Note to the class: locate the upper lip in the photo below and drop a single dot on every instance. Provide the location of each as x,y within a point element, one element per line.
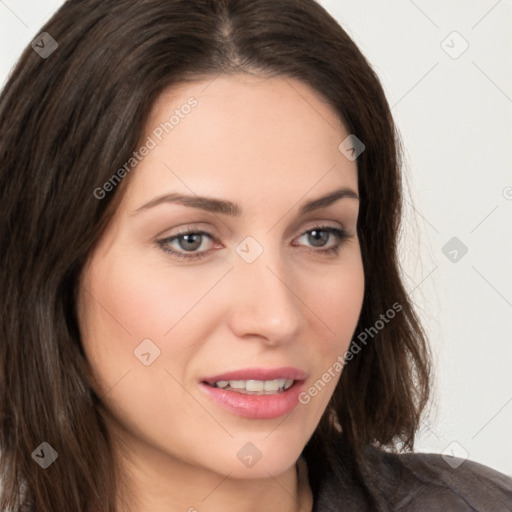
<point>259,374</point>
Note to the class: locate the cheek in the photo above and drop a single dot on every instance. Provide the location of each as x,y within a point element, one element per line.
<point>127,299</point>
<point>337,301</point>
<point>338,306</point>
<point>123,304</point>
<point>147,299</point>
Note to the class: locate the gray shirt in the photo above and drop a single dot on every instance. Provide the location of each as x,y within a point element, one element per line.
<point>386,481</point>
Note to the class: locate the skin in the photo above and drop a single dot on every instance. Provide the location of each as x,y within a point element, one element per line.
<point>269,145</point>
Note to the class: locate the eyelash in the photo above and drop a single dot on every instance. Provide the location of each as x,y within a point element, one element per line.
<point>340,234</point>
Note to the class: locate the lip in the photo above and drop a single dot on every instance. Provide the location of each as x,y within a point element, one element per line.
<point>286,372</point>
<point>256,406</point>
<point>262,407</point>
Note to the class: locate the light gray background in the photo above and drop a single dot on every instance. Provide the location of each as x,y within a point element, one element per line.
<point>455,118</point>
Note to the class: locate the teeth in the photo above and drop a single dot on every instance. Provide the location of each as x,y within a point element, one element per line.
<point>255,385</point>
<point>288,383</point>
<point>275,385</point>
<point>272,385</point>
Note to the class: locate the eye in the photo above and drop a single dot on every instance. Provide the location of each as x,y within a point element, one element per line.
<point>186,244</point>
<point>318,236</point>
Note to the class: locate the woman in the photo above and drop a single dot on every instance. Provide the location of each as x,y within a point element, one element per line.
<point>202,307</point>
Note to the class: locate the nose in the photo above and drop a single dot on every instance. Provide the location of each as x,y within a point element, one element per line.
<point>266,301</point>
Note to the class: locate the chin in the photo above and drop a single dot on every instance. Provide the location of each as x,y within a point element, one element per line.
<point>257,456</point>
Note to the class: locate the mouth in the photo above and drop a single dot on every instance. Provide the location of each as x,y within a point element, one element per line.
<point>256,393</point>
<point>254,387</point>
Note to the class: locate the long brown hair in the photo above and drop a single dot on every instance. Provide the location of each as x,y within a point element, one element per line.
<point>69,120</point>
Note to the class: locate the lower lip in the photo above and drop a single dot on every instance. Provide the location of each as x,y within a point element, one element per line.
<point>262,407</point>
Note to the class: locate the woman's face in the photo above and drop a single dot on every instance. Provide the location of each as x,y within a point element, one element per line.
<point>259,293</point>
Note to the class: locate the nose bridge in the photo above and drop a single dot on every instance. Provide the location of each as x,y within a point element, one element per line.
<point>266,303</point>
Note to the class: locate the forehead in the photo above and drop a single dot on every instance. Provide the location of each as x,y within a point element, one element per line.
<point>242,135</point>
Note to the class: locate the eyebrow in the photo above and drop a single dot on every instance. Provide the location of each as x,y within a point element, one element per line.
<point>213,205</point>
